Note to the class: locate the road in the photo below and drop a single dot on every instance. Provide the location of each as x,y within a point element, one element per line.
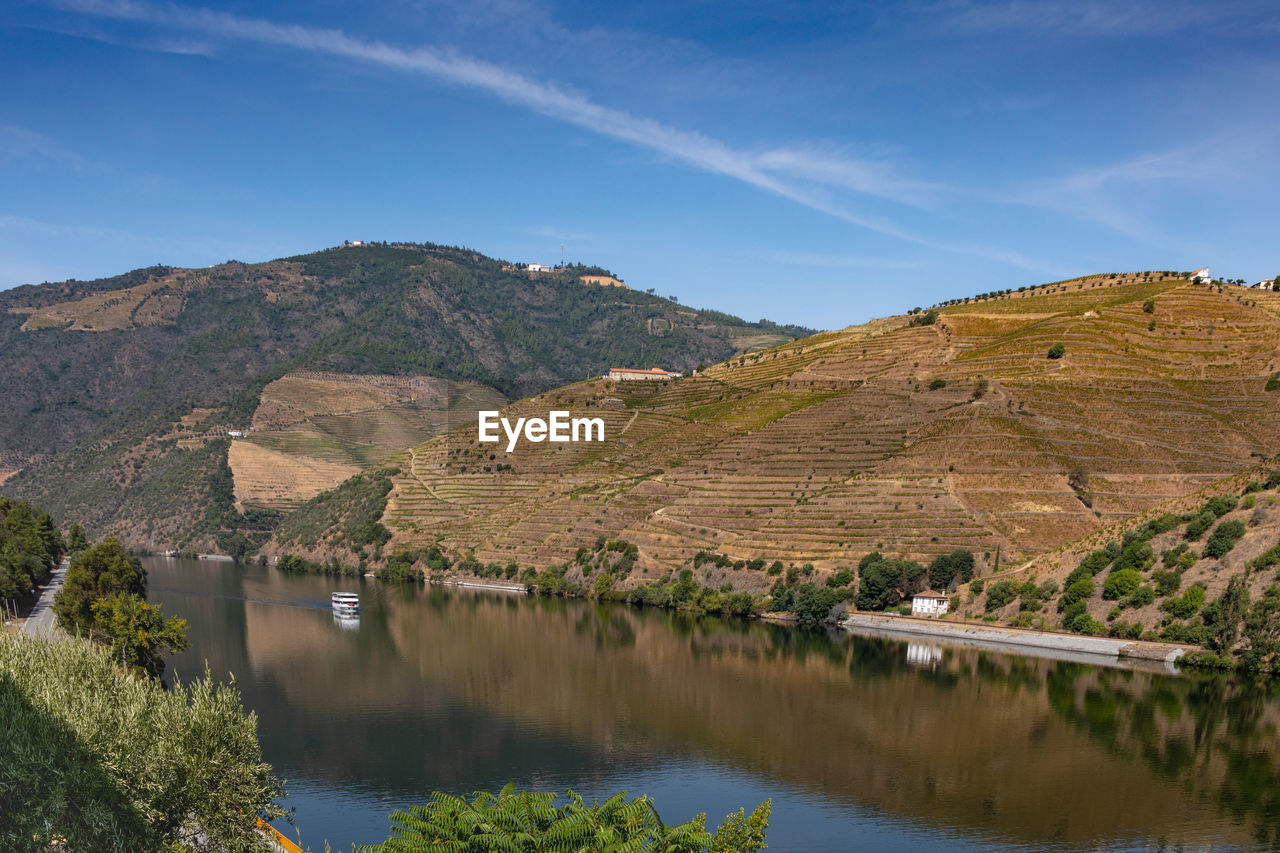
<point>40,621</point>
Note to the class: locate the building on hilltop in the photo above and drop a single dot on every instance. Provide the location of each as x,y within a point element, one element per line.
<point>538,268</point>
<point>628,373</point>
<point>929,603</point>
<point>1201,276</point>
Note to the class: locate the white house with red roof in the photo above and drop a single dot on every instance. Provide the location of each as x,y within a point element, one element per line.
<point>1201,276</point>
<point>629,373</point>
<point>929,603</point>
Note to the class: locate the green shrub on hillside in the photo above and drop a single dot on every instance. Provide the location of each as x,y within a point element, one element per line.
<point>1057,351</point>
<point>1083,623</point>
<point>1081,589</point>
<point>1121,583</point>
<point>1141,597</point>
<point>1198,525</point>
<point>1222,505</point>
<point>1223,539</point>
<point>1001,593</point>
<point>1167,582</point>
<point>1138,557</point>
<point>1186,605</point>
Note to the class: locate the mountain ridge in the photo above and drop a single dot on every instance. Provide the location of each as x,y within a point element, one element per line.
<point>101,375</point>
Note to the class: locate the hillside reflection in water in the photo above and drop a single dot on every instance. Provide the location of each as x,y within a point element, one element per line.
<point>864,744</point>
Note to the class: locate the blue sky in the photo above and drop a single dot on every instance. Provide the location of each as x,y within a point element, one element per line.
<point>811,163</point>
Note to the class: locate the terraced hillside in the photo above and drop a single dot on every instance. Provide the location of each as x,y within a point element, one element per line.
<point>101,375</point>
<point>903,435</point>
<point>313,430</point>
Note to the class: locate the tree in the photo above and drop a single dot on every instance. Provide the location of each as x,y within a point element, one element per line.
<point>96,573</point>
<point>530,822</point>
<point>812,604</point>
<point>76,541</point>
<point>1057,351</point>
<point>140,631</point>
<point>1262,628</point>
<point>113,762</point>
<point>1224,615</point>
<point>946,567</point>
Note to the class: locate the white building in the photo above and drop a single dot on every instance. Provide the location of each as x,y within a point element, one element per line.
<point>929,603</point>
<point>628,373</point>
<point>538,268</point>
<point>235,433</point>
<point>1201,276</point>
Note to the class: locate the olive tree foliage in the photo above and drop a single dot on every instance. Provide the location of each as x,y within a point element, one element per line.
<point>514,821</point>
<point>103,598</point>
<point>139,632</point>
<point>108,761</point>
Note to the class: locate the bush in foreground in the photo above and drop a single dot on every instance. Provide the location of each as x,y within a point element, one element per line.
<point>524,822</point>
<point>114,762</point>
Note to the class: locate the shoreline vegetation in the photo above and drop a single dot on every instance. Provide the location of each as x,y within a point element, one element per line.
<point>1141,572</point>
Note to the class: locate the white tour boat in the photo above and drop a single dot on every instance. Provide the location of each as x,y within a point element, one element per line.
<point>345,602</point>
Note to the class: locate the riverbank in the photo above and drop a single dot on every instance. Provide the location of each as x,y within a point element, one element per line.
<point>1041,643</point>
<point>498,586</point>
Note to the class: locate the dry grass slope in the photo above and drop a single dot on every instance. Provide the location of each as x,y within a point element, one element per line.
<point>313,430</point>
<point>911,439</point>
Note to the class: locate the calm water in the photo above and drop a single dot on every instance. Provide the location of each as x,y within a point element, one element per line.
<point>863,744</point>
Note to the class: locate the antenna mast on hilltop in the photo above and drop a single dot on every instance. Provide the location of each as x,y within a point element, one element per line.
<point>562,254</point>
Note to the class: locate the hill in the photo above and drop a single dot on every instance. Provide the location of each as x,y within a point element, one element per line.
<point>1201,570</point>
<point>912,435</point>
<point>121,392</point>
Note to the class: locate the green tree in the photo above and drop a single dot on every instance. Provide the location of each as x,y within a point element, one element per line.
<point>1057,351</point>
<point>96,573</point>
<point>139,631</point>
<point>76,541</point>
<point>946,567</point>
<point>1120,583</point>
<point>530,822</point>
<point>812,604</point>
<point>1224,615</point>
<point>1262,628</point>
<point>113,763</point>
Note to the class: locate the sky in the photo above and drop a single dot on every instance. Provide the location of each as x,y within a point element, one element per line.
<point>812,163</point>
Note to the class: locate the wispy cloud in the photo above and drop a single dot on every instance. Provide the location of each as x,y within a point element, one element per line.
<point>1104,194</point>
<point>806,176</point>
<point>20,143</point>
<point>824,260</point>
<point>1094,18</point>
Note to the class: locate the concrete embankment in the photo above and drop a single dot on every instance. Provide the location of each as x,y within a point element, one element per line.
<point>478,584</point>
<point>1039,643</point>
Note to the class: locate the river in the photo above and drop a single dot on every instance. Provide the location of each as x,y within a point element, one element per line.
<point>862,743</point>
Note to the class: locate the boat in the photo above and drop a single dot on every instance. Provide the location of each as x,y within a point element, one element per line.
<point>345,602</point>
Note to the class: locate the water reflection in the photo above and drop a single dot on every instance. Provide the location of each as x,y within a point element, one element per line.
<point>871,742</point>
